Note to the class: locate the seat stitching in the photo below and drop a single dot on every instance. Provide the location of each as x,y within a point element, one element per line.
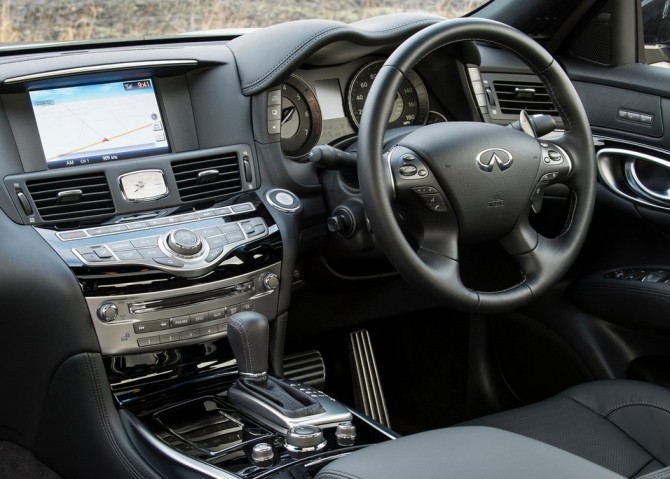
<point>634,403</point>
<point>645,465</point>
<point>613,424</point>
<point>663,473</point>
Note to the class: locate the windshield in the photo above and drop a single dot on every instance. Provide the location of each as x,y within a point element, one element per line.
<point>69,20</point>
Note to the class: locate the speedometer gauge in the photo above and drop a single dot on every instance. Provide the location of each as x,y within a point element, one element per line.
<point>300,118</point>
<point>411,102</point>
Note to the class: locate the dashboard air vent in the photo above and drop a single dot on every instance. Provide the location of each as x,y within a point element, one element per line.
<point>69,198</point>
<point>202,179</point>
<point>516,96</point>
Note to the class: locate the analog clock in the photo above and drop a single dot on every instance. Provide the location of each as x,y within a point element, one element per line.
<point>145,185</point>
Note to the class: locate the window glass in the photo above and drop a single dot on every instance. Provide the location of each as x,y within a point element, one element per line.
<point>656,28</point>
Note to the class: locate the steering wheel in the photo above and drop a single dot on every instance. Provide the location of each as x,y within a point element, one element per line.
<point>473,183</point>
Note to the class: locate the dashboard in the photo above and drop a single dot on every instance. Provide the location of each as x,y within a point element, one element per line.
<point>175,176</point>
<point>152,189</point>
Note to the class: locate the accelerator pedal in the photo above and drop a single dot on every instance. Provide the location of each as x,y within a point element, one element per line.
<point>306,367</point>
<point>367,386</point>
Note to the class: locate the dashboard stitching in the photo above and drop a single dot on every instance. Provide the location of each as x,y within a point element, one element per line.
<point>307,43</point>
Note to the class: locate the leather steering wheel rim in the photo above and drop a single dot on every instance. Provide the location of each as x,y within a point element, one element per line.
<point>543,261</point>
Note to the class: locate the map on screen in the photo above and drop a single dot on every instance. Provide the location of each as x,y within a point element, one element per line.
<point>98,123</point>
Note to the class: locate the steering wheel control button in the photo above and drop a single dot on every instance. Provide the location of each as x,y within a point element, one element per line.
<point>262,455</point>
<point>549,176</point>
<point>108,312</point>
<point>434,202</point>
<point>424,190</point>
<point>408,157</point>
<point>407,170</point>
<point>422,173</point>
<point>283,200</point>
<point>345,434</point>
<point>184,242</point>
<point>304,441</point>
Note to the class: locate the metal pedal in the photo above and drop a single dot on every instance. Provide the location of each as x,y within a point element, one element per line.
<point>307,367</point>
<point>367,386</point>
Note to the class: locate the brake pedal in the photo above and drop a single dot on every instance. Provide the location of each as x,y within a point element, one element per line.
<point>367,385</point>
<point>306,367</point>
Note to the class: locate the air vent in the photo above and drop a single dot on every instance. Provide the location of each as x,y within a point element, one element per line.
<point>530,96</point>
<point>72,198</point>
<point>207,178</point>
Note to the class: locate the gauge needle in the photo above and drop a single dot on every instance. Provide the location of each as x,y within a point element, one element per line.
<point>287,114</point>
<point>139,187</point>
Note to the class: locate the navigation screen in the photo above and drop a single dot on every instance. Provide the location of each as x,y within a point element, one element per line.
<point>99,123</point>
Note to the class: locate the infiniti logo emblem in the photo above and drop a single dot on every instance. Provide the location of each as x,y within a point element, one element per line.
<point>487,159</point>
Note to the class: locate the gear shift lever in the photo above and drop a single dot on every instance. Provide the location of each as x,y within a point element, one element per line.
<point>248,334</point>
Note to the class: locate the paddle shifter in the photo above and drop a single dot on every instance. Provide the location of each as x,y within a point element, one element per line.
<point>283,404</point>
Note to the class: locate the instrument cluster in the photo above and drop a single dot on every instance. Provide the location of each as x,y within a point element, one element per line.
<point>321,106</point>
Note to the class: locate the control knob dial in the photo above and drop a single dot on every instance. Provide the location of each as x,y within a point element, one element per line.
<point>184,242</point>
<point>108,312</point>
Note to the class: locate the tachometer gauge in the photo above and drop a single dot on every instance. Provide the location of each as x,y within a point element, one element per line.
<point>300,118</point>
<point>411,103</point>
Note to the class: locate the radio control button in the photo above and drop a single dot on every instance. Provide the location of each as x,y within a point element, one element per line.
<point>223,327</point>
<point>195,333</point>
<point>199,317</point>
<point>187,217</point>
<point>152,341</point>
<point>217,314</point>
<point>180,321</point>
<point>234,309</point>
<point>108,312</point>
<point>247,227</point>
<point>209,330</point>
<point>248,306</point>
<point>175,263</point>
<point>169,338</point>
<point>151,326</point>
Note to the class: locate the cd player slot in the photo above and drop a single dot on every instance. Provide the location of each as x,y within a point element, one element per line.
<point>190,299</point>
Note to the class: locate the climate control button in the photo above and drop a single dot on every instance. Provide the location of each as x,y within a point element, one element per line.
<point>184,242</point>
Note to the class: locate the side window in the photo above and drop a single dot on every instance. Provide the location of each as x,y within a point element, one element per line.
<point>656,27</point>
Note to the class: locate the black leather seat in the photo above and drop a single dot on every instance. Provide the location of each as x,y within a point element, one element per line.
<point>621,425</point>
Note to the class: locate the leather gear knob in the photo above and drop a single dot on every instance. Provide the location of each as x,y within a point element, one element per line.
<point>248,334</point>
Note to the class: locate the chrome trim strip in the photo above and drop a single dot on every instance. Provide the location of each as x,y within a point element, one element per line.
<point>98,69</point>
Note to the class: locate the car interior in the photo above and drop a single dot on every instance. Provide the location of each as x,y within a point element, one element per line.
<point>403,247</point>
